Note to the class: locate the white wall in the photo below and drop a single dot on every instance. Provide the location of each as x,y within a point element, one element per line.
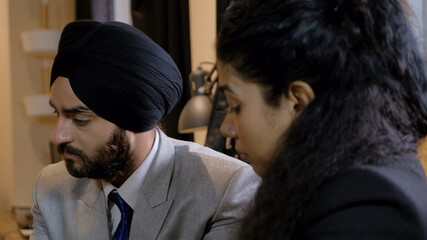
<point>202,31</point>
<point>24,141</point>
<point>122,11</point>
<point>418,15</point>
<point>6,159</point>
<point>202,36</point>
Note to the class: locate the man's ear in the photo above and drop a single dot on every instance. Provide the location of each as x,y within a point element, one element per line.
<point>300,94</point>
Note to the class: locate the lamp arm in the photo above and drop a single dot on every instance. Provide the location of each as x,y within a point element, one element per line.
<point>210,73</point>
<point>209,81</point>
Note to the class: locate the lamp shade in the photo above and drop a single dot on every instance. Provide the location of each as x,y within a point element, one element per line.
<point>195,115</point>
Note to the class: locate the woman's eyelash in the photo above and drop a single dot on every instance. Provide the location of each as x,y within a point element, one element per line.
<point>234,109</point>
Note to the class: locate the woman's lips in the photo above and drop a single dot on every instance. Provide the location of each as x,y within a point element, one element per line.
<point>243,156</point>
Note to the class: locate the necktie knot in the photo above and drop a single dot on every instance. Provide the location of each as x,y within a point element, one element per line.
<point>114,196</point>
<point>123,229</point>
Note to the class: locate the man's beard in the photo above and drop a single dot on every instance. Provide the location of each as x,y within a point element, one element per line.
<point>109,160</point>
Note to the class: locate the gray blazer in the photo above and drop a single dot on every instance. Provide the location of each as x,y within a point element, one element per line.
<point>190,192</point>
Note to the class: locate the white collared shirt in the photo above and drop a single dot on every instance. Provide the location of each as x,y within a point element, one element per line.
<point>131,188</point>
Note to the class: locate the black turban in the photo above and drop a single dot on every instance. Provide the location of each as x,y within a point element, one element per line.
<point>118,72</point>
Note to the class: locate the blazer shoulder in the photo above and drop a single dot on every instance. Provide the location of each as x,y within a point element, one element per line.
<point>53,174</point>
<point>55,178</point>
<point>395,195</point>
<point>210,167</point>
<point>200,152</point>
<point>379,181</point>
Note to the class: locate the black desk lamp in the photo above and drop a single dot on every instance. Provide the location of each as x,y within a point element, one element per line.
<point>196,113</point>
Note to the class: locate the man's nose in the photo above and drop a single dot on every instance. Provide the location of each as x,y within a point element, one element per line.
<point>61,134</point>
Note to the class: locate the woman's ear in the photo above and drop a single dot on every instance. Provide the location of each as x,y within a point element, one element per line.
<point>300,94</point>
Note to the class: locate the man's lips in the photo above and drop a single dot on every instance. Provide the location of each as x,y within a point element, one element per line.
<point>68,155</point>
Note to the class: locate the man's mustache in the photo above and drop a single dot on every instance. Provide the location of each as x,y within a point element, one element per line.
<point>62,148</point>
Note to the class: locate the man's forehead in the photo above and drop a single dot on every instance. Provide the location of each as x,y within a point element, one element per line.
<point>62,97</point>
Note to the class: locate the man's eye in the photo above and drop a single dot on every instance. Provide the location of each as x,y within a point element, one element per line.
<point>80,121</point>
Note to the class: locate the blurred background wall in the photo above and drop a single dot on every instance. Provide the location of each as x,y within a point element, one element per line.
<point>24,140</point>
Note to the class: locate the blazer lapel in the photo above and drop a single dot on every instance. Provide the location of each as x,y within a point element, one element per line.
<point>91,212</point>
<point>157,194</point>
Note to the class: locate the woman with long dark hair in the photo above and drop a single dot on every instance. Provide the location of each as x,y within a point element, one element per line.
<point>337,92</point>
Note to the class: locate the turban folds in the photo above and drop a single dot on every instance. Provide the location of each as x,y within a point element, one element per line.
<point>118,72</point>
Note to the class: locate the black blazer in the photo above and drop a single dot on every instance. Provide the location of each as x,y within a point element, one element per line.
<point>370,202</point>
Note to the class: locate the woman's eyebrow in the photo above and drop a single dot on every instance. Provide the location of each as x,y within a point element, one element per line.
<point>225,87</point>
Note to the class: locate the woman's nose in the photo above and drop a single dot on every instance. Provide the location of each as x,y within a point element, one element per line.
<point>227,129</point>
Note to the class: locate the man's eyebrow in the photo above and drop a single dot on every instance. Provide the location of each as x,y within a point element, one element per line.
<point>225,87</point>
<point>78,109</point>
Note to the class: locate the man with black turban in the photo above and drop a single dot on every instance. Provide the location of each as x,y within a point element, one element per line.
<point>122,177</point>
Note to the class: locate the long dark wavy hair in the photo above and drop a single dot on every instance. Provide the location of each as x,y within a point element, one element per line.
<point>369,80</point>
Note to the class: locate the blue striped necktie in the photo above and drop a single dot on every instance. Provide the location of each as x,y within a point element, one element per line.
<point>123,230</point>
